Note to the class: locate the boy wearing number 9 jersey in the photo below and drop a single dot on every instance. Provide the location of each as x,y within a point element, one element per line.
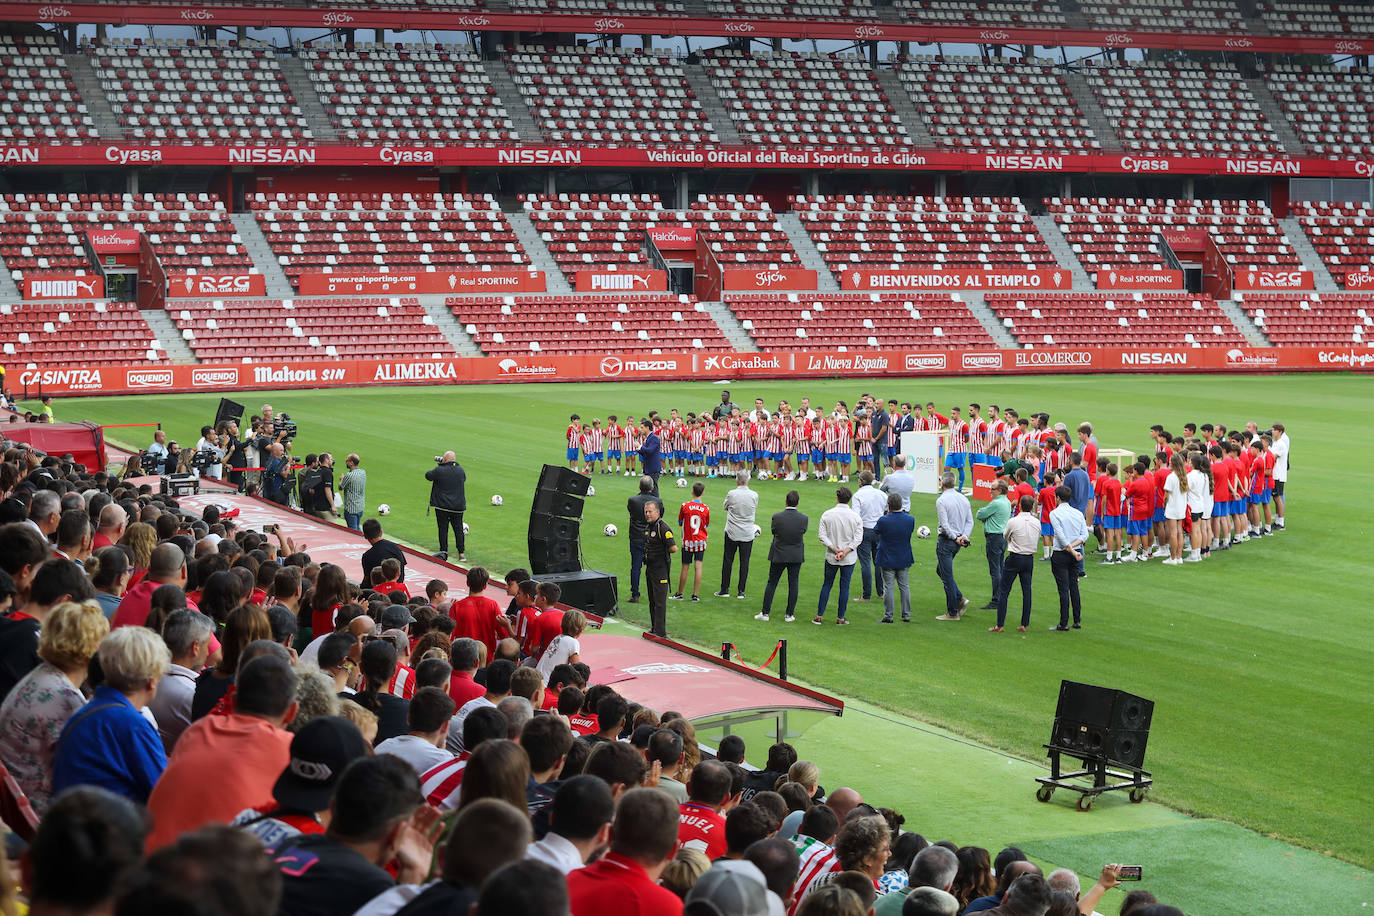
<point>694,516</point>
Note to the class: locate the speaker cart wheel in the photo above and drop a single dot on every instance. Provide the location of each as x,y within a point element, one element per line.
<point>1044,793</point>
<point>1085,802</point>
<point>1138,795</point>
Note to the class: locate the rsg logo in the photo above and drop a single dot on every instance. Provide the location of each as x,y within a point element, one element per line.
<point>149,378</point>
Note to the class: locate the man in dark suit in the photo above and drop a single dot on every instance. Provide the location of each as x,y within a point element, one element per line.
<point>787,552</point>
<point>893,557</point>
<point>905,422</point>
<point>650,453</point>
<point>635,506</point>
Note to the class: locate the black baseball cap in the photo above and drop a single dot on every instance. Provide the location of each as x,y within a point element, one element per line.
<point>320,752</point>
<point>396,617</point>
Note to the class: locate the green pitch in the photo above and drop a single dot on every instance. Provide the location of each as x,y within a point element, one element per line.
<point>1258,659</point>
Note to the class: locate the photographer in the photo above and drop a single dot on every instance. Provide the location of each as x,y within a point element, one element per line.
<point>158,451</point>
<point>448,499</point>
<point>277,481</point>
<point>209,457</point>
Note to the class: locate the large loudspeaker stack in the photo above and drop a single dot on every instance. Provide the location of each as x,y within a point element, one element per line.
<point>1102,722</point>
<point>555,547</point>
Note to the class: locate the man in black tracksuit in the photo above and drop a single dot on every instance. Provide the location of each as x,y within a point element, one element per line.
<point>659,545</point>
<point>448,499</point>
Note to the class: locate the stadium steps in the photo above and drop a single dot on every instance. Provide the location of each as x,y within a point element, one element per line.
<point>1093,115</point>
<point>9,290</point>
<point>168,335</point>
<point>1310,259</point>
<point>808,253</point>
<point>979,308</point>
<point>97,105</point>
<point>447,324</point>
<point>697,9</point>
<point>1236,312</point>
<point>720,119</point>
<point>730,326</point>
<point>264,258</point>
<point>526,128</point>
<point>905,106</point>
<point>293,71</point>
<point>1276,118</point>
<point>1062,250</point>
<point>540,257</point>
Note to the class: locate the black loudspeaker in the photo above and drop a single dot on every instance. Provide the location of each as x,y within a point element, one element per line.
<point>228,410</point>
<point>556,521</point>
<point>552,502</point>
<point>564,480</point>
<point>1102,722</point>
<point>587,590</point>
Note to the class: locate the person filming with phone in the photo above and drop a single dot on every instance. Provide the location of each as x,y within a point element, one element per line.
<point>448,499</point>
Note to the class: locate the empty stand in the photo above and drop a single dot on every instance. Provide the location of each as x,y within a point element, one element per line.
<point>510,326</point>
<point>1111,233</point>
<point>42,334</point>
<point>1331,109</point>
<point>742,231</point>
<point>172,90</point>
<point>1000,105</point>
<point>788,9</point>
<point>803,99</point>
<point>1343,234</point>
<point>1186,108</point>
<point>1027,13</point>
<point>596,231</point>
<point>634,7</point>
<point>260,330</point>
<point>421,95</point>
<point>895,233</point>
<point>1165,15</point>
<point>334,232</point>
<point>1313,319</point>
<point>1317,18</point>
<point>594,96</point>
<point>1114,319</point>
<point>42,233</point>
<point>858,320</point>
<point>38,100</point>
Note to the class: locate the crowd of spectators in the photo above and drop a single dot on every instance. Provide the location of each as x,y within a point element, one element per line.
<point>199,718</point>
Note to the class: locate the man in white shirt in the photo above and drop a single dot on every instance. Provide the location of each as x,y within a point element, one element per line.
<point>741,504</point>
<point>841,530</point>
<point>871,503</point>
<point>1280,449</point>
<point>208,440</point>
<point>900,481</point>
<point>158,449</point>
<point>428,720</point>
<point>498,688</point>
<point>187,635</point>
<point>580,828</point>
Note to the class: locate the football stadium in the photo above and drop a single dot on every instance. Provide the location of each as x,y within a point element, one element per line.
<point>720,457</point>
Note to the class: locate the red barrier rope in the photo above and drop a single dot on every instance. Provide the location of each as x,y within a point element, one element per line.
<point>776,649</point>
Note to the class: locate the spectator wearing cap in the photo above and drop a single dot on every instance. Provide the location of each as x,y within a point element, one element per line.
<point>377,816</point>
<point>108,743</point>
<point>237,757</point>
<point>700,823</point>
<point>187,634</point>
<point>320,752</point>
<point>729,889</point>
<point>580,826</point>
<point>625,880</point>
<point>403,680</point>
<point>428,718</point>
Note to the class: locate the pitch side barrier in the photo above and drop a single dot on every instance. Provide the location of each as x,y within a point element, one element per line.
<point>701,364</point>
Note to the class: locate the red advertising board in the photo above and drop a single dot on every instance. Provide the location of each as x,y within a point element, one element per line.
<point>66,286</point>
<point>1272,278</point>
<point>114,241</point>
<point>1185,239</point>
<point>1359,280</point>
<point>674,238</point>
<point>622,281</point>
<point>922,280</point>
<point>182,286</point>
<point>1139,279</point>
<point>983,476</point>
<point>625,366</point>
<point>449,281</point>
<point>764,280</point>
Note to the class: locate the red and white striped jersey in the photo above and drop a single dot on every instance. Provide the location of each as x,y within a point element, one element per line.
<point>817,428</point>
<point>403,682</point>
<point>615,434</point>
<point>817,859</point>
<point>844,436</point>
<point>574,435</point>
<point>739,439</point>
<point>977,431</point>
<point>440,784</point>
<point>861,438</point>
<point>632,438</point>
<point>958,437</point>
<point>593,439</point>
<point>696,439</point>
<point>993,437</point>
<point>774,437</point>
<point>678,431</point>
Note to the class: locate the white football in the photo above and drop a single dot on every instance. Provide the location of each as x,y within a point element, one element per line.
<point>466,529</point>
<point>610,531</point>
<point>383,509</point>
<point>923,531</point>
<point>497,500</point>
<point>681,482</point>
<point>757,531</point>
<point>591,491</point>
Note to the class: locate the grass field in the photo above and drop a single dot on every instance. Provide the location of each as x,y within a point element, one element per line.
<point>1258,660</point>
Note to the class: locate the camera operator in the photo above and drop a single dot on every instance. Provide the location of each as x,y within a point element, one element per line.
<point>208,459</point>
<point>158,451</point>
<point>239,454</point>
<point>277,481</point>
<point>448,499</point>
